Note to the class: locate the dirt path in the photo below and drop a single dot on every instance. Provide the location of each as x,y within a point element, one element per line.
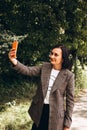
<point>80,113</point>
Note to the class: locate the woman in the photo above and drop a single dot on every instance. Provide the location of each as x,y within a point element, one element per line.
<point>48,110</point>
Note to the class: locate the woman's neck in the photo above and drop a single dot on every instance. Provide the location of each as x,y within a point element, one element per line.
<point>57,67</point>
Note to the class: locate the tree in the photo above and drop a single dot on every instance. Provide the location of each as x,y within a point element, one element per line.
<point>77,28</point>
<point>46,22</point>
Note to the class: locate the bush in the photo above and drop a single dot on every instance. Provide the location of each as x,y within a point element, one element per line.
<point>79,78</point>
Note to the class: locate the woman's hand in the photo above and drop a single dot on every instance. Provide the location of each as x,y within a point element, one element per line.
<point>12,56</point>
<point>65,128</point>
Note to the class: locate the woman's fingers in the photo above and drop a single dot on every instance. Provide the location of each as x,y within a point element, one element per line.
<point>12,53</point>
<point>12,56</point>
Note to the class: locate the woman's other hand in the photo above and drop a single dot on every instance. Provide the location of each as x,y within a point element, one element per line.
<point>12,56</point>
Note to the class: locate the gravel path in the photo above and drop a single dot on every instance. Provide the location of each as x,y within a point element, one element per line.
<point>80,113</point>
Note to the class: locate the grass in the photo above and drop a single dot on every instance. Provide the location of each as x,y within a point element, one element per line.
<point>81,80</point>
<point>14,105</point>
<point>15,117</point>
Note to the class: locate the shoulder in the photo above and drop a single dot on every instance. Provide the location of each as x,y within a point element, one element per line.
<point>46,64</point>
<point>69,73</point>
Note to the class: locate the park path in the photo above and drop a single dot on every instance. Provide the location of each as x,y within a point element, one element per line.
<point>80,112</point>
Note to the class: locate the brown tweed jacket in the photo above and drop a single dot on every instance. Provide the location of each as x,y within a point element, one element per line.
<point>59,116</point>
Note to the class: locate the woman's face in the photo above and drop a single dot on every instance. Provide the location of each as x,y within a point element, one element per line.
<point>56,57</point>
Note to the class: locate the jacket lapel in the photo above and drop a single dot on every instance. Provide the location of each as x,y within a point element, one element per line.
<point>45,78</point>
<point>61,79</point>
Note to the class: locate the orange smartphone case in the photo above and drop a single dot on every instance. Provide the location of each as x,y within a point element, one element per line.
<point>15,45</point>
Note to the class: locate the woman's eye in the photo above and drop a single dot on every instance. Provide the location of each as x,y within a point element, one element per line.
<point>56,54</point>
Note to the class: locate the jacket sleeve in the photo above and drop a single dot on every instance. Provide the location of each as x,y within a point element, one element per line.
<point>25,70</point>
<point>69,101</point>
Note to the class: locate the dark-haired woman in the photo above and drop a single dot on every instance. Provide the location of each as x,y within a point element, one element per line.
<point>52,106</point>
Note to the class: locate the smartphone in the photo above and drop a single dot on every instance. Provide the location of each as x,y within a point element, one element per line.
<point>15,46</point>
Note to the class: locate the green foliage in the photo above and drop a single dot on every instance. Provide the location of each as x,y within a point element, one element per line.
<point>45,23</point>
<point>80,77</point>
<point>16,86</point>
<point>77,27</point>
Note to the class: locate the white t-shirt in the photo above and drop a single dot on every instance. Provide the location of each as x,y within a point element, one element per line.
<point>53,76</point>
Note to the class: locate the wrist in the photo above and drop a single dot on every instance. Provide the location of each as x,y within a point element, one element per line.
<point>14,62</point>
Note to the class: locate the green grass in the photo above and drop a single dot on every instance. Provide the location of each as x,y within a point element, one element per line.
<point>15,117</point>
<point>85,77</point>
<point>81,80</point>
<point>14,105</point>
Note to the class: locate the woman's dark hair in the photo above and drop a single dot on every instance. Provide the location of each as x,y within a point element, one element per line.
<point>65,55</point>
